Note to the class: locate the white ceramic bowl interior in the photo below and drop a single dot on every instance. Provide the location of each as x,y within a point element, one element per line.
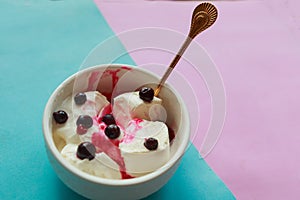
<point>129,79</point>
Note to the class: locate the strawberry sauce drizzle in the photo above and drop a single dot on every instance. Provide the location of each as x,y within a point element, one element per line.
<point>124,175</point>
<point>92,80</point>
<point>106,110</point>
<point>99,139</point>
<point>131,130</point>
<point>127,68</point>
<point>115,79</point>
<point>110,148</point>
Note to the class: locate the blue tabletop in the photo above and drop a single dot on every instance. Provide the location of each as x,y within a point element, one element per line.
<point>41,44</point>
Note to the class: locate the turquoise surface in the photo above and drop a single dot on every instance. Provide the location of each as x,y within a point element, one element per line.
<point>41,44</point>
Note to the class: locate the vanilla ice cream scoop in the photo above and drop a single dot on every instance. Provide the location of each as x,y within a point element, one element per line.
<point>129,105</point>
<point>95,166</point>
<point>138,155</point>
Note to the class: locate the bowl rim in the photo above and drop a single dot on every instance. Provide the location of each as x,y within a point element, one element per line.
<point>50,145</point>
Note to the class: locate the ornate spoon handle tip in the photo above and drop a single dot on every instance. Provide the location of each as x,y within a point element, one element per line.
<point>204,16</point>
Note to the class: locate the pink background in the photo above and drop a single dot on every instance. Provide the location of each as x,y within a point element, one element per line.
<point>256,46</point>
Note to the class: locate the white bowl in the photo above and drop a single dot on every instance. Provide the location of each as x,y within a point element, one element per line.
<point>94,187</point>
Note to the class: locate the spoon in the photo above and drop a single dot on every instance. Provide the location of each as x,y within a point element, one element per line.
<point>204,16</point>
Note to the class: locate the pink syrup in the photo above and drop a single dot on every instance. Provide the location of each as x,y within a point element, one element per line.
<point>106,110</point>
<point>92,81</point>
<point>130,133</point>
<point>126,68</point>
<point>115,79</point>
<point>124,175</point>
<point>110,148</point>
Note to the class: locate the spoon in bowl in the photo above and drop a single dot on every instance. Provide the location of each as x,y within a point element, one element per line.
<point>203,17</point>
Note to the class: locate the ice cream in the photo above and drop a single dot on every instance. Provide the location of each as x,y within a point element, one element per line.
<point>129,105</point>
<point>93,167</point>
<point>121,140</point>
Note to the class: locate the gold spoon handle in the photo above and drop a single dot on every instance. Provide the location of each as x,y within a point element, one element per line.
<point>174,62</point>
<point>204,16</point>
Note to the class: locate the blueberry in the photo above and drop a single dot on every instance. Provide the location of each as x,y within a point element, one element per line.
<point>146,94</point>
<point>86,150</point>
<point>112,131</point>
<point>108,119</point>
<point>85,121</point>
<point>60,116</point>
<point>151,144</point>
<point>80,98</point>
